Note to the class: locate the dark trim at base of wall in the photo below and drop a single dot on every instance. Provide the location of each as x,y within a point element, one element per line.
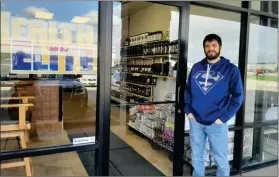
<point>259,166</point>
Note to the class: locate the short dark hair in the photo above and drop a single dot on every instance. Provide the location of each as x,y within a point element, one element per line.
<point>211,37</point>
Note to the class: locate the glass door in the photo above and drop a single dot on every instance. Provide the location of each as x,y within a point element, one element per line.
<point>144,86</point>
<point>48,87</point>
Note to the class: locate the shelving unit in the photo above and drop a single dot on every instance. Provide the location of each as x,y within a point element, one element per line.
<point>140,96</point>
<point>141,85</point>
<point>153,75</point>
<point>126,60</point>
<point>169,149</point>
<point>157,41</point>
<point>152,56</point>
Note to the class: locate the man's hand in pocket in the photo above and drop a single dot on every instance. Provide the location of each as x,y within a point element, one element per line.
<point>190,116</point>
<point>219,122</point>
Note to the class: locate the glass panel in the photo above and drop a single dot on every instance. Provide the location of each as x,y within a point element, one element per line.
<point>274,7</point>
<point>260,5</point>
<point>262,74</point>
<point>145,44</point>
<point>260,145</point>
<point>201,20</point>
<point>56,165</point>
<point>265,6</point>
<point>49,60</point>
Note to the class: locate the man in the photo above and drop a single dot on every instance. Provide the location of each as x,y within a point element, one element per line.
<point>213,95</point>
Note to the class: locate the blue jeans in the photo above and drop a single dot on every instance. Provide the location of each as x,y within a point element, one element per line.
<point>218,142</point>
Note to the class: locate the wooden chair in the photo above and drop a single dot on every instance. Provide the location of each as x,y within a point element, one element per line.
<point>18,129</point>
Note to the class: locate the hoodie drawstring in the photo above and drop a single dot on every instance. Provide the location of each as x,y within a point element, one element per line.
<point>207,74</point>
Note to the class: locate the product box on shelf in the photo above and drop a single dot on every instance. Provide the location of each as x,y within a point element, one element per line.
<point>168,134</point>
<point>248,142</point>
<point>152,122</point>
<point>231,136</point>
<point>138,124</point>
<point>187,123</point>
<point>248,137</point>
<point>133,110</point>
<point>142,116</point>
<point>147,131</point>
<point>161,113</point>
<point>247,151</point>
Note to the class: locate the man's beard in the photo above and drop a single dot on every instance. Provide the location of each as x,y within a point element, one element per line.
<point>217,54</point>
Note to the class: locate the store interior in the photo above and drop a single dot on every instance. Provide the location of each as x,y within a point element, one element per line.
<point>141,138</point>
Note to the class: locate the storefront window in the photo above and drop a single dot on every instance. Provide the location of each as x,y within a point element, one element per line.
<point>260,145</point>
<point>262,72</point>
<point>48,79</point>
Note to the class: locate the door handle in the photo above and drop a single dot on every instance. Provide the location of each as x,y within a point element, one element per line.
<point>178,94</point>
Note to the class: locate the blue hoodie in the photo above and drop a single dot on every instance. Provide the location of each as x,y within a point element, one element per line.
<point>213,91</point>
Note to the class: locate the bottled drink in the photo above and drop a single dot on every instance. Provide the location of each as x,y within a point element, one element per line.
<point>161,35</point>
<point>151,37</point>
<point>175,47</point>
<point>155,48</point>
<point>166,48</point>
<point>150,49</point>
<point>158,49</point>
<point>139,68</point>
<point>156,36</point>
<point>154,81</point>
<point>142,69</point>
<point>147,92</point>
<point>149,69</point>
<point>144,50</point>
<point>171,48</point>
<point>146,80</point>
<point>148,37</point>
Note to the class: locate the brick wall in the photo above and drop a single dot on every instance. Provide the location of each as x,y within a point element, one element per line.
<point>45,112</point>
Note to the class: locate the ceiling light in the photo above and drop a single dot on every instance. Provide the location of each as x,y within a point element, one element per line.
<point>78,19</point>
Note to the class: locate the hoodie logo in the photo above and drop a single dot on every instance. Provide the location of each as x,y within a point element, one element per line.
<point>212,80</point>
